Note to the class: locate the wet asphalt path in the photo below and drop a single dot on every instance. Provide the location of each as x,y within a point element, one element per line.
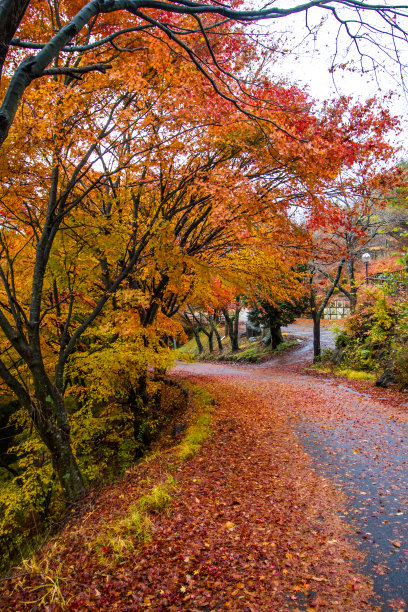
<point>361,445</point>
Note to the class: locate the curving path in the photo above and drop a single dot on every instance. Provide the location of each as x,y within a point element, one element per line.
<point>358,440</point>
<point>297,502</point>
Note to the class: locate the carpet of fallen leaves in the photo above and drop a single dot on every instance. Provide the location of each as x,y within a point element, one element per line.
<point>251,527</point>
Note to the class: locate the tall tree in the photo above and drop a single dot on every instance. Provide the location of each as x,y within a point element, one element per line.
<point>275,315</point>
<point>124,182</point>
<point>316,308</point>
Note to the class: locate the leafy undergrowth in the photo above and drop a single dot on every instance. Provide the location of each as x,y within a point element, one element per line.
<point>257,352</point>
<point>106,533</point>
<point>245,524</point>
<point>31,507</point>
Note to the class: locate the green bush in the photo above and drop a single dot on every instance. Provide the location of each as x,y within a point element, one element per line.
<point>401,366</point>
<point>375,337</point>
<point>28,499</point>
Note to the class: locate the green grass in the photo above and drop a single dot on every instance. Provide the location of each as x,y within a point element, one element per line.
<point>346,372</point>
<point>189,350</point>
<point>48,591</point>
<point>356,374</point>
<point>285,345</point>
<point>249,355</point>
<point>159,497</point>
<point>136,527</point>
<point>137,524</point>
<point>200,430</point>
<point>256,352</point>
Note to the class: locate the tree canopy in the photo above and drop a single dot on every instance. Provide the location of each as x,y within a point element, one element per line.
<point>79,31</point>
<point>154,164</point>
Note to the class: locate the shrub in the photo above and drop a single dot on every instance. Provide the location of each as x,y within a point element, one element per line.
<point>367,342</point>
<point>376,336</point>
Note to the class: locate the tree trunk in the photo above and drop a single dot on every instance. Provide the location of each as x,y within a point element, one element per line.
<point>231,332</point>
<point>217,334</point>
<point>198,341</point>
<point>48,412</point>
<point>353,299</point>
<point>64,463</point>
<point>219,341</point>
<point>353,286</point>
<point>11,14</point>
<point>234,339</point>
<point>318,312</point>
<point>229,327</point>
<point>210,341</point>
<point>276,336</point>
<point>316,337</point>
<point>135,408</point>
<point>232,323</point>
<point>316,324</point>
<point>141,405</point>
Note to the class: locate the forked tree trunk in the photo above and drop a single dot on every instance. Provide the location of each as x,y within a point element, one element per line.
<point>318,312</point>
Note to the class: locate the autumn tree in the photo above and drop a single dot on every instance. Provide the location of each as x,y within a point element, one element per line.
<point>80,29</point>
<point>80,231</point>
<point>79,217</point>
<point>359,193</point>
<point>273,316</point>
<point>120,182</point>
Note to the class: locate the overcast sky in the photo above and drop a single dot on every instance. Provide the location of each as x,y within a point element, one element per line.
<point>307,63</point>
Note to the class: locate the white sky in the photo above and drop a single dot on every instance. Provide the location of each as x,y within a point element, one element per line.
<point>307,63</point>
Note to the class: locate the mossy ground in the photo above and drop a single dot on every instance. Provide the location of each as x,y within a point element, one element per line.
<point>346,372</point>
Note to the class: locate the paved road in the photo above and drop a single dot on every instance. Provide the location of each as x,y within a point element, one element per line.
<point>304,353</point>
<point>361,444</point>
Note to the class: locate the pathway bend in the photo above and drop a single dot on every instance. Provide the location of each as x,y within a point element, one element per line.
<point>358,441</point>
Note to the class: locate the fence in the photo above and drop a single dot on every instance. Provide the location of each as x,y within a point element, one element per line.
<point>338,309</point>
<point>396,284</point>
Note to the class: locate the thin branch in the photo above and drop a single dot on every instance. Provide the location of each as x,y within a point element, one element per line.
<point>72,70</point>
<point>23,44</point>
